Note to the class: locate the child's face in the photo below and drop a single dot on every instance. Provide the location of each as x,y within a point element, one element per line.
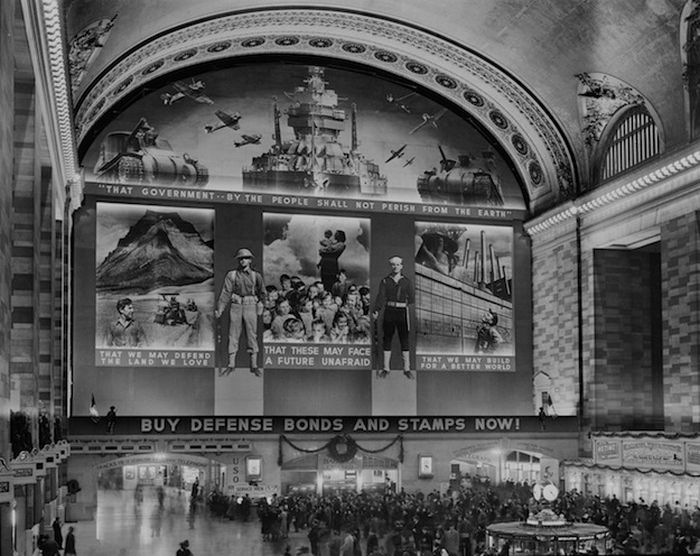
<point>283,308</point>
<point>319,329</point>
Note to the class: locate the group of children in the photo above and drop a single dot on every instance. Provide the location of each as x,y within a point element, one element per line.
<point>297,312</point>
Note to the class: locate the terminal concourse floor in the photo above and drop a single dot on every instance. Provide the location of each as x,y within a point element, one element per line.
<point>124,527</point>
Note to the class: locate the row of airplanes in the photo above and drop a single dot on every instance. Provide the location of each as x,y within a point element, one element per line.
<point>428,119</point>
<point>195,91</point>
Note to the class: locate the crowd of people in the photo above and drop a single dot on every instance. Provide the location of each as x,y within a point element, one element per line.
<point>300,312</point>
<point>454,523</point>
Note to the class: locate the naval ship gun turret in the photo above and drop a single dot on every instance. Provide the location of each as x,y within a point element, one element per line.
<point>314,162</point>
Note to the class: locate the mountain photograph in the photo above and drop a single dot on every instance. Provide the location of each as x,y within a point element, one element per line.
<point>162,258</point>
<point>161,249</point>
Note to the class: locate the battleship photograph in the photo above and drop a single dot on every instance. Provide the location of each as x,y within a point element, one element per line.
<point>302,130</point>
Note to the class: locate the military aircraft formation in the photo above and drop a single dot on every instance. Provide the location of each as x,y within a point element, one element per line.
<point>427,119</point>
<point>195,91</point>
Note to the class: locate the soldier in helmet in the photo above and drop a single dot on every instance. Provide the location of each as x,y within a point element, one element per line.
<point>244,290</point>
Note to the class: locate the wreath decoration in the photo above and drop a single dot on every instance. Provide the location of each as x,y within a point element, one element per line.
<point>342,448</point>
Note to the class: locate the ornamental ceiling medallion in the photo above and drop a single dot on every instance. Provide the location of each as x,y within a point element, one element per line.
<point>527,133</point>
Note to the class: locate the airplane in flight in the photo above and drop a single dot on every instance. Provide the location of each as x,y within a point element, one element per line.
<point>227,120</point>
<point>429,119</point>
<point>252,139</point>
<point>399,101</point>
<point>398,153</point>
<point>409,161</point>
<point>193,90</point>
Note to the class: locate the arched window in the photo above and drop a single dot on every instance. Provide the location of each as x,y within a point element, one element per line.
<point>631,138</point>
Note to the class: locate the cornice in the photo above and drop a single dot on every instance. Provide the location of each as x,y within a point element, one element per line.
<point>673,175</point>
<point>45,34</point>
<point>505,108</point>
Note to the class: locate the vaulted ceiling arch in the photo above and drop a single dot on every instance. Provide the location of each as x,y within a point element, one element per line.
<point>497,101</point>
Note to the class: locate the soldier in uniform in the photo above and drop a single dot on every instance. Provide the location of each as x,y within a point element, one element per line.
<point>395,296</point>
<point>244,290</point>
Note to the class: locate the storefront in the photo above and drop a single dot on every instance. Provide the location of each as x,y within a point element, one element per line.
<point>643,467</point>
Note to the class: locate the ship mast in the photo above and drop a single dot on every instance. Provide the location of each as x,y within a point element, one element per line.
<point>353,129</point>
<point>278,133</point>
<point>312,158</point>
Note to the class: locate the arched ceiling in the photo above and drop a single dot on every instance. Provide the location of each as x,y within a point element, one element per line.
<point>510,65</point>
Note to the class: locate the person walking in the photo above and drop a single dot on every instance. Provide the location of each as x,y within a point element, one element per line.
<point>70,543</point>
<point>57,533</point>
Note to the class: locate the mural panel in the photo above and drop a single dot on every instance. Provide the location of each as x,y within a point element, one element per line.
<point>464,308</point>
<point>154,286</point>
<point>318,296</point>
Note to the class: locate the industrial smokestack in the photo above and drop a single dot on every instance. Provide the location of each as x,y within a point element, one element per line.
<point>482,274</point>
<point>465,257</point>
<point>476,267</point>
<point>492,256</point>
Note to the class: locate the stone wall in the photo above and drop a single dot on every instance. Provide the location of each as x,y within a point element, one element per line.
<point>622,352</point>
<point>680,271</point>
<point>555,315</point>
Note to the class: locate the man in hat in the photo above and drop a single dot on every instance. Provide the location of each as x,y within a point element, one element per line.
<point>244,290</point>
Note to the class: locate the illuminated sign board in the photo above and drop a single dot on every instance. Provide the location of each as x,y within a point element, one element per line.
<point>236,425</point>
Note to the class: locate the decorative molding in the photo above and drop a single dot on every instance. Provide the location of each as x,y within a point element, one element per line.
<point>600,96</point>
<point>45,34</point>
<point>616,191</point>
<point>506,109</point>
<point>84,48</point>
